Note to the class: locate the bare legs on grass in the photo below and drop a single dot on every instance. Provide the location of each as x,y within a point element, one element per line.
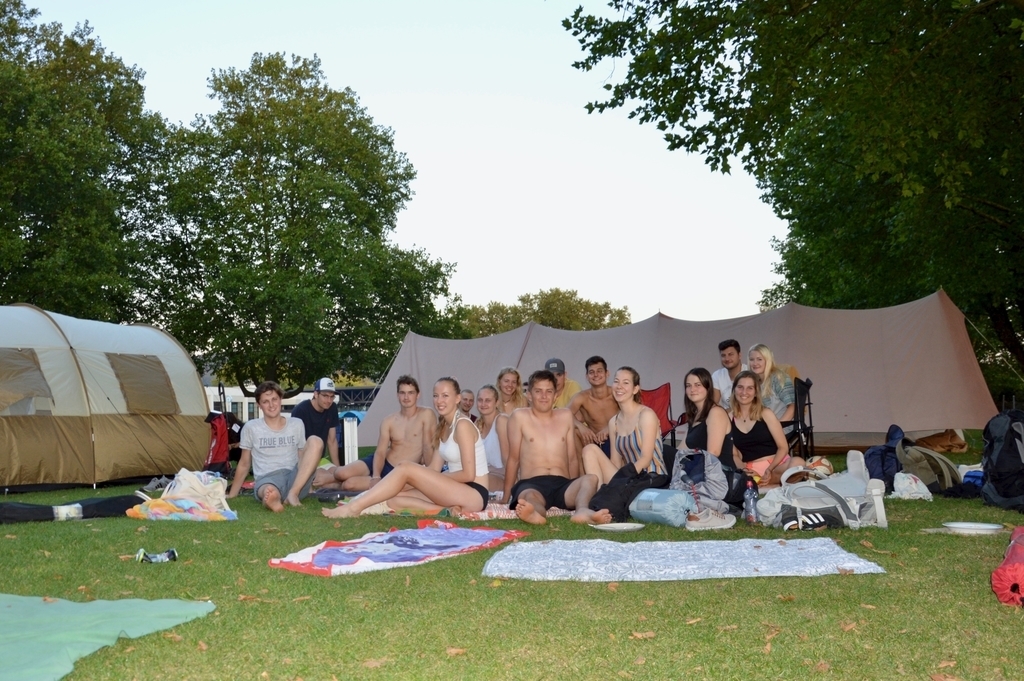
<point>434,489</point>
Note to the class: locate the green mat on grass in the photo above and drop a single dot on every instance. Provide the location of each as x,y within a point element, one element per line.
<point>41,638</point>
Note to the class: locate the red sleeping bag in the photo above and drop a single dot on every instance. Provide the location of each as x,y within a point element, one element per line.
<point>1008,578</point>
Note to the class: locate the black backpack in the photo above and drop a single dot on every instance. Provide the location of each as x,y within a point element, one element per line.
<point>881,460</point>
<point>1003,461</point>
<point>618,493</point>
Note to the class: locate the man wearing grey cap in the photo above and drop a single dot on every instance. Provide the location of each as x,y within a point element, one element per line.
<point>320,416</point>
<point>565,387</point>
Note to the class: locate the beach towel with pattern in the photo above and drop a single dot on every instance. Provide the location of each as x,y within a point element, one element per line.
<point>432,540</point>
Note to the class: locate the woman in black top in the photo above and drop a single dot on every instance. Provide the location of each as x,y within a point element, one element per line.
<point>709,427</point>
<point>759,445</point>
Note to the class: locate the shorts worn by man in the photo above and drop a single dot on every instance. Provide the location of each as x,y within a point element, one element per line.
<point>404,436</point>
<point>320,417</point>
<point>542,455</point>
<point>275,446</point>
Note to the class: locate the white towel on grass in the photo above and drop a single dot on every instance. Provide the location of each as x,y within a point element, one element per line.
<point>600,560</point>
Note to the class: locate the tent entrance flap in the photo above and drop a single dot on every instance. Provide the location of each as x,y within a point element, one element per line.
<point>21,380</point>
<point>144,384</point>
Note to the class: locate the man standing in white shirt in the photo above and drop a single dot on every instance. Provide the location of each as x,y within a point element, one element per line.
<point>729,352</point>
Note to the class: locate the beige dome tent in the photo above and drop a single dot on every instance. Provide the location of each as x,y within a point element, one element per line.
<point>912,364</point>
<point>85,402</point>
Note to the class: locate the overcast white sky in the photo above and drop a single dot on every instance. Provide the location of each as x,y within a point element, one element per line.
<point>517,184</point>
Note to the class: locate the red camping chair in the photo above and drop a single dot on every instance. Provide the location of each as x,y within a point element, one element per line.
<point>660,400</point>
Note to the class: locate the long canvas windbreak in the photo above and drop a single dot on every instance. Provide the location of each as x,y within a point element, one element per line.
<point>910,364</point>
<point>85,402</point>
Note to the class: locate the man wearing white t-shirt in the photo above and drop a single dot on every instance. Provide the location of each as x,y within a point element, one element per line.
<point>729,352</point>
<point>282,461</point>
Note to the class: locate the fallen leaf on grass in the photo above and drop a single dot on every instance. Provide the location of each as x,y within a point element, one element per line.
<point>240,581</point>
<point>300,599</point>
<point>127,557</point>
<point>142,528</point>
<point>947,663</point>
<point>337,523</point>
<point>126,593</point>
<point>729,627</point>
<point>187,562</point>
<point>848,626</point>
<point>782,542</point>
<point>455,651</point>
<point>822,667</point>
<point>129,649</point>
<point>244,597</point>
<point>868,607</point>
<point>803,637</point>
<point>408,579</point>
<point>624,674</point>
<point>611,636</point>
<point>472,581</point>
<point>10,536</point>
<point>47,599</point>
<point>944,677</point>
<point>767,647</point>
<point>648,602</point>
<point>638,635</point>
<point>495,584</point>
<point>46,554</point>
<point>867,544</point>
<point>694,620</point>
<point>643,618</point>
<point>787,597</point>
<point>845,571</point>
<point>773,631</point>
<point>613,586</point>
<point>374,664</point>
<point>639,660</point>
<point>202,646</point>
<point>173,637</point>
<point>83,588</point>
<point>264,675</point>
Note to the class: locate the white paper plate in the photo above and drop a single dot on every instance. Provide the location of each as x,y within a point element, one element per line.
<point>973,528</point>
<point>619,527</point>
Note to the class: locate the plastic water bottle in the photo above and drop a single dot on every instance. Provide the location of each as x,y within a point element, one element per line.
<point>750,503</point>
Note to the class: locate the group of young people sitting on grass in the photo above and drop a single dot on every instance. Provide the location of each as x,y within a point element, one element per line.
<point>535,455</point>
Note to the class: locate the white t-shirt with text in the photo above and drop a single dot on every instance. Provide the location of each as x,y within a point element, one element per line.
<point>723,384</point>
<point>273,450</point>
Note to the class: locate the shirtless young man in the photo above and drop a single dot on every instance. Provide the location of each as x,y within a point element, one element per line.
<point>542,454</point>
<point>594,407</point>
<point>404,436</point>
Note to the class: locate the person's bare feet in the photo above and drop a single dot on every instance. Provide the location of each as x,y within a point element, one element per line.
<point>272,499</point>
<point>293,500</point>
<point>592,517</point>
<point>339,511</point>
<point>529,514</point>
<point>322,477</point>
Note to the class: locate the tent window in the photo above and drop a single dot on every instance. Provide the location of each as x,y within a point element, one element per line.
<point>21,380</point>
<point>144,384</point>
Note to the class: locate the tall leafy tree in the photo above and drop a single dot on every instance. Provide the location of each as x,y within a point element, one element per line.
<point>888,134</point>
<point>277,264</point>
<point>554,307</point>
<point>76,159</point>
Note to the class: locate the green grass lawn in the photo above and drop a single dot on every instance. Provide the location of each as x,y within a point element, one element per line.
<point>933,613</point>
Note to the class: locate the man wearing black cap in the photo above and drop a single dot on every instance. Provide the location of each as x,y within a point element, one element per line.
<point>565,387</point>
<point>320,416</point>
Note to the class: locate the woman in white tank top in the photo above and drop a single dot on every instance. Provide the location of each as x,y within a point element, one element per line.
<point>458,443</point>
<point>493,426</point>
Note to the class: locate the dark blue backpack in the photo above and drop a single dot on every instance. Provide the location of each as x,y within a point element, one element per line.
<point>881,460</point>
<point>1003,461</point>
